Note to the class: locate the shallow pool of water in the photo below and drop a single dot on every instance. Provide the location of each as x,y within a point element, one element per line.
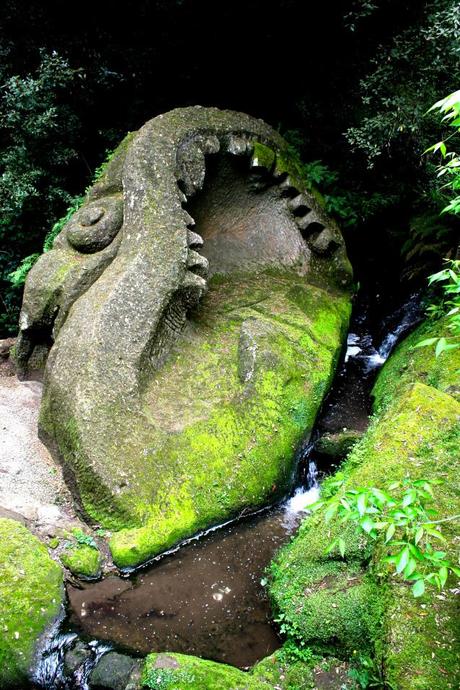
<point>206,599</point>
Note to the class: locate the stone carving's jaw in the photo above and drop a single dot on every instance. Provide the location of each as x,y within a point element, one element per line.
<point>196,198</point>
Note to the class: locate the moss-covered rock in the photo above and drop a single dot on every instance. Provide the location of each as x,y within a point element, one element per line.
<point>31,593</point>
<point>228,410</point>
<point>417,435</point>
<point>408,364</point>
<point>339,444</point>
<point>284,671</point>
<point>82,560</point>
<point>280,670</point>
<point>182,672</point>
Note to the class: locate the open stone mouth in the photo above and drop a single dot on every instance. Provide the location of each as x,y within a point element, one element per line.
<point>259,177</point>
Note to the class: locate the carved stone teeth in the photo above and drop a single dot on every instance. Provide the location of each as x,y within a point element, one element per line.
<point>238,146</point>
<point>192,281</point>
<point>197,264</point>
<point>195,241</point>
<point>189,221</point>
<point>325,243</point>
<point>299,205</point>
<point>288,188</point>
<point>304,221</point>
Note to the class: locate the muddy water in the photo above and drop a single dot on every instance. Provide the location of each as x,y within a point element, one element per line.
<point>206,599</point>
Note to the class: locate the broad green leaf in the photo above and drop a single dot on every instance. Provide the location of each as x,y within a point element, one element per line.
<point>361,504</point>
<point>330,512</point>
<point>390,532</point>
<point>424,343</point>
<point>402,560</point>
<point>419,534</point>
<point>410,568</point>
<point>418,588</point>
<point>341,544</point>
<point>367,525</point>
<point>443,573</point>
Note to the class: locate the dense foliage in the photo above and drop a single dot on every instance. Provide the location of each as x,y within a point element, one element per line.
<point>350,89</point>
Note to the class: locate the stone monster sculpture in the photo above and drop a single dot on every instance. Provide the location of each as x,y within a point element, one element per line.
<point>196,305</point>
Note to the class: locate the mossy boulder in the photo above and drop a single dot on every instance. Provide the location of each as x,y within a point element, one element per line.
<point>229,409</point>
<point>82,560</point>
<point>338,445</point>
<point>409,363</point>
<point>286,671</point>
<point>280,670</point>
<point>182,672</point>
<point>31,595</point>
<point>417,435</point>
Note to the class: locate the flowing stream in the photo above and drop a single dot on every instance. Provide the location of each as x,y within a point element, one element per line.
<point>206,598</point>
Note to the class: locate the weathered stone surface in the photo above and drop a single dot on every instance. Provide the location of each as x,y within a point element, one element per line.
<point>113,672</point>
<point>31,595</point>
<point>171,408</point>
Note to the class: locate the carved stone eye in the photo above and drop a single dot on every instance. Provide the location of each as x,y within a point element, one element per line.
<point>95,226</point>
<point>90,216</point>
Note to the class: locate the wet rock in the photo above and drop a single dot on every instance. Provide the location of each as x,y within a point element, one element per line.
<point>75,657</point>
<point>82,560</point>
<point>338,445</point>
<point>115,672</point>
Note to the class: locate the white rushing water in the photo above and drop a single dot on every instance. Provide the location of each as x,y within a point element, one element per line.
<point>304,496</point>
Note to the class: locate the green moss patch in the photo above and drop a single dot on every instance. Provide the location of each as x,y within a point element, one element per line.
<point>181,672</point>
<point>229,408</point>
<point>409,364</point>
<point>82,560</point>
<point>31,592</point>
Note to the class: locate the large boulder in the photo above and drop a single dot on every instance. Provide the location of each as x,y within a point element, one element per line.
<point>31,596</point>
<point>329,601</point>
<point>182,374</point>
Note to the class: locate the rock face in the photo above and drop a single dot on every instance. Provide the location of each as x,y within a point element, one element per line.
<point>197,303</point>
<point>31,594</point>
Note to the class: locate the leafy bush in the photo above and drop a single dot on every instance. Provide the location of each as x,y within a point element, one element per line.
<point>407,524</point>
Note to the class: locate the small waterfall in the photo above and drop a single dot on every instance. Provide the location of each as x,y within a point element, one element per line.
<point>406,316</point>
<point>50,673</point>
<point>361,348</point>
<point>81,675</point>
<point>304,495</point>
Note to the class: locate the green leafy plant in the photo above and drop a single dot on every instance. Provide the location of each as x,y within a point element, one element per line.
<point>448,305</point>
<point>449,169</point>
<point>404,520</point>
<point>83,538</point>
<point>292,652</point>
<point>368,673</point>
